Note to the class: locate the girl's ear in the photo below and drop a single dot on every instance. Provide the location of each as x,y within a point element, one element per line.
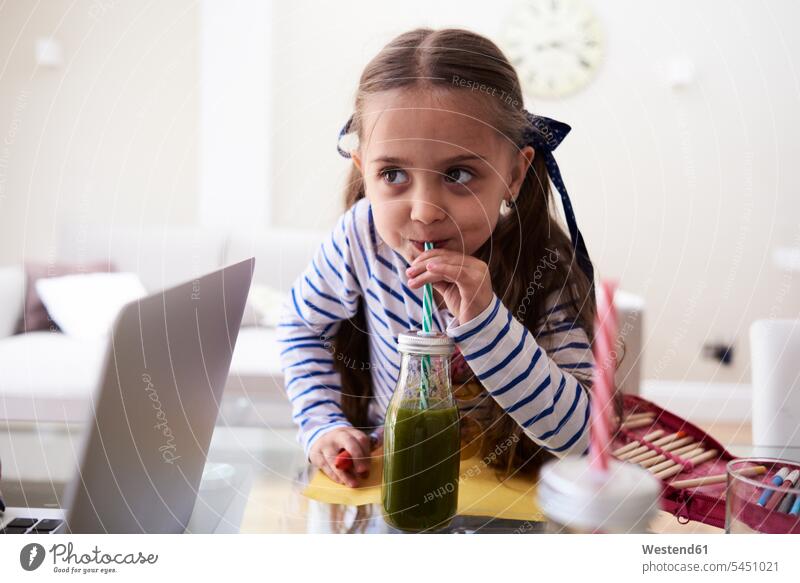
<point>523,160</point>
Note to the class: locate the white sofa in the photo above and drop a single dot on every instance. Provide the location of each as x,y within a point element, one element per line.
<point>50,376</point>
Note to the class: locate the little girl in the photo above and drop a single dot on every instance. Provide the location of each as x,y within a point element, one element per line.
<point>445,153</point>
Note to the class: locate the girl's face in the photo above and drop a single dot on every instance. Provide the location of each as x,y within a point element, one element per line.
<point>434,170</point>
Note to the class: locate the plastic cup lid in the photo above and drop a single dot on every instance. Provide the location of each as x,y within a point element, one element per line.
<point>418,342</point>
<point>624,499</point>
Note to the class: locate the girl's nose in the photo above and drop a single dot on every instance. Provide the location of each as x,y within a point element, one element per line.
<point>426,208</point>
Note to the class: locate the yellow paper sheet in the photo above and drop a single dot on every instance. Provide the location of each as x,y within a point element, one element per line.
<point>480,492</point>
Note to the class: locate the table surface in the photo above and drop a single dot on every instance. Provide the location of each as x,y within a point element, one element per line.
<point>333,518</point>
<point>266,493</point>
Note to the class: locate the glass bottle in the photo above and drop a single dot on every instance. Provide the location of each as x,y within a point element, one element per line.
<point>421,442</point>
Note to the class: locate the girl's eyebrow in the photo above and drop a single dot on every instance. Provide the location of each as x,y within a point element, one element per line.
<point>453,160</point>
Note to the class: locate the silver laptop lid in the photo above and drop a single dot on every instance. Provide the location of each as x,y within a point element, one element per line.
<point>155,410</point>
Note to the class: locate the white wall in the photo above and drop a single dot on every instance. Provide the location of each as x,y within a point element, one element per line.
<point>682,195</point>
<point>109,135</point>
<point>234,126</point>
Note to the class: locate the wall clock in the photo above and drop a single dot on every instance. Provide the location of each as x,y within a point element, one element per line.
<point>556,46</point>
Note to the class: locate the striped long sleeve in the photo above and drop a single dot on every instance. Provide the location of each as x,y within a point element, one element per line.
<point>324,294</point>
<point>540,380</point>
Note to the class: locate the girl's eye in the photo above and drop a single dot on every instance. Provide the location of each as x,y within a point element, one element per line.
<point>458,176</point>
<point>394,176</point>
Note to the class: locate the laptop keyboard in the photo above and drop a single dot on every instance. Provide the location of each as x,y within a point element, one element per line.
<point>31,526</point>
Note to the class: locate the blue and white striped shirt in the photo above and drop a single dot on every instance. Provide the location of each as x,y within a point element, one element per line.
<point>539,380</point>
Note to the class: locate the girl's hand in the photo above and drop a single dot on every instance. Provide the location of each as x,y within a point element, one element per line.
<point>462,280</point>
<point>324,451</point>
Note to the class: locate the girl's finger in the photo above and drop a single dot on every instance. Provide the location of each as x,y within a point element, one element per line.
<point>316,458</point>
<point>437,271</point>
<point>426,255</point>
<point>326,469</point>
<point>470,274</point>
<point>347,478</point>
<point>331,473</point>
<point>455,259</point>
<point>415,269</point>
<point>423,278</point>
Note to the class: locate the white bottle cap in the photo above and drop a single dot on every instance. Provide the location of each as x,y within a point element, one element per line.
<point>418,342</point>
<point>623,500</point>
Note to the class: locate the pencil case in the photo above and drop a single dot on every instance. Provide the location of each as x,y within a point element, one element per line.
<point>703,503</point>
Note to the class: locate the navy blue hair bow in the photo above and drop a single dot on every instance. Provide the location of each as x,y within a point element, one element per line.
<point>345,130</point>
<point>544,134</point>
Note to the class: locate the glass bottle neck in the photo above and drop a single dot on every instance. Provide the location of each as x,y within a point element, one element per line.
<point>412,386</point>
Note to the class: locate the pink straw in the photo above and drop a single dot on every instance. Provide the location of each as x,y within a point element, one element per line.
<point>603,387</point>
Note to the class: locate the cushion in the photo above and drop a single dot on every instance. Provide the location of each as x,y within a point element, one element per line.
<point>34,315</point>
<point>86,305</point>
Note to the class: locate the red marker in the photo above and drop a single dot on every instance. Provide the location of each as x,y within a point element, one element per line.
<point>344,461</point>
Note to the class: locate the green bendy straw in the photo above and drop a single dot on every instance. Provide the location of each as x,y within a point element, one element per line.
<point>427,310</point>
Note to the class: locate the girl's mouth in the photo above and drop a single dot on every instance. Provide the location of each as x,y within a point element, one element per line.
<point>420,245</point>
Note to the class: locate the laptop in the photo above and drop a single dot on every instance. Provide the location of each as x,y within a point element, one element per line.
<point>153,414</point>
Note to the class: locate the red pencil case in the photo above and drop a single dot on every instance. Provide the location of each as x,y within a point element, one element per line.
<point>704,503</point>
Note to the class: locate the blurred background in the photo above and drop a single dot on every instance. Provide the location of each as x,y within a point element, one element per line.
<point>167,138</point>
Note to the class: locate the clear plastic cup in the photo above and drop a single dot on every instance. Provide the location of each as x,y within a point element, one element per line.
<point>578,500</point>
<point>755,504</point>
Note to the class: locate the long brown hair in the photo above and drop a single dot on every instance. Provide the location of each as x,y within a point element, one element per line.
<point>426,58</point>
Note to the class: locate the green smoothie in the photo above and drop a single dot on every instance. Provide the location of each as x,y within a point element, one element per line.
<point>420,467</point>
